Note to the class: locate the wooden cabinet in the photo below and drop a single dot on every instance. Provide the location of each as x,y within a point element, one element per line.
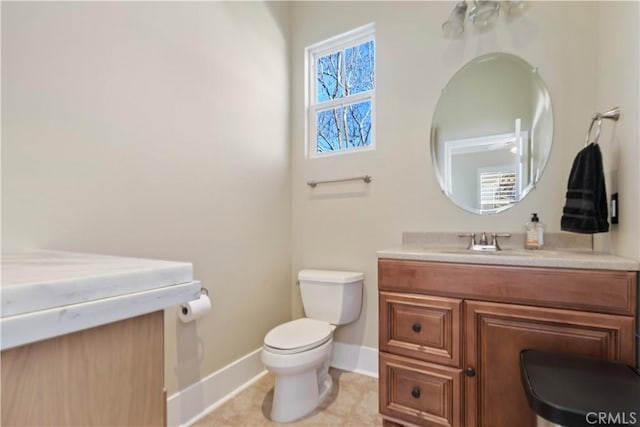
<point>443,323</point>
<point>419,392</point>
<point>496,333</point>
<point>421,327</point>
<point>111,375</point>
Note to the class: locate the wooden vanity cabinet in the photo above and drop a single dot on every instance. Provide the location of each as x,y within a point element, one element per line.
<point>110,375</point>
<point>451,335</point>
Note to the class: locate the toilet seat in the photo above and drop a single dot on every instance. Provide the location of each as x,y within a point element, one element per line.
<point>298,336</point>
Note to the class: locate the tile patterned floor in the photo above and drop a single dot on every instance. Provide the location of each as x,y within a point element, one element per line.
<point>352,402</point>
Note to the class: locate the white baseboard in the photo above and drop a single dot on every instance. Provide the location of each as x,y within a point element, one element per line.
<point>355,358</point>
<point>195,401</point>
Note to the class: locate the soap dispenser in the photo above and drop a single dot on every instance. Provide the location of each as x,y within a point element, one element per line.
<point>535,233</point>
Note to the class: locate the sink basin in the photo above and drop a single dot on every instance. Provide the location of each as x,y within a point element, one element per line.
<point>531,252</point>
<point>503,252</point>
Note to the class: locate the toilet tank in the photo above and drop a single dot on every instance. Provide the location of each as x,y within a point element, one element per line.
<point>331,296</point>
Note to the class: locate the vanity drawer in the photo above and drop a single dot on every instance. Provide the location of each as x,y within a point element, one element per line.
<point>422,327</point>
<point>420,393</point>
<point>605,291</point>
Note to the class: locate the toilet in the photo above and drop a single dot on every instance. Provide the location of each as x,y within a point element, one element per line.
<point>298,352</point>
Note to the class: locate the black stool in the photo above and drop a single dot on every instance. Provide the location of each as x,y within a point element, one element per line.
<point>576,391</point>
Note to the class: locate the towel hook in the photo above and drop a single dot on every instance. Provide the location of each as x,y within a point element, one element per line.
<point>612,114</point>
<point>596,118</point>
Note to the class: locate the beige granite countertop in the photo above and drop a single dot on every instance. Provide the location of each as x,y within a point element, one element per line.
<point>560,258</point>
<point>563,250</point>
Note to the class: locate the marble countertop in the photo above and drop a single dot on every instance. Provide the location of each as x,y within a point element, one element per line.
<point>557,258</point>
<point>50,293</point>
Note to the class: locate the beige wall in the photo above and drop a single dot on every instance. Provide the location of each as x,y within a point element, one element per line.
<point>414,62</point>
<point>617,84</point>
<point>156,130</point>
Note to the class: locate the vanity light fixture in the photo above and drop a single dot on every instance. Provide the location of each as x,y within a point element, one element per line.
<point>482,15</point>
<point>454,26</point>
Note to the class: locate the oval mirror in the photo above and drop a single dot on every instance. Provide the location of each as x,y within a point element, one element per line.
<point>491,133</point>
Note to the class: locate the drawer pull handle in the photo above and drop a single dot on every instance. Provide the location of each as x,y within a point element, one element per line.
<point>470,372</point>
<point>416,327</point>
<point>415,392</point>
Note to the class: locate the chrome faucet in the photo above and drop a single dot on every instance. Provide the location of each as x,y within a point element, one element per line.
<point>495,236</point>
<point>483,245</point>
<point>483,239</point>
<point>472,241</point>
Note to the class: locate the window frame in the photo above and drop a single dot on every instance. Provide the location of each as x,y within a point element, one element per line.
<point>335,44</point>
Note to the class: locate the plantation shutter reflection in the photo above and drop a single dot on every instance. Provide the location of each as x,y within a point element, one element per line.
<point>497,189</point>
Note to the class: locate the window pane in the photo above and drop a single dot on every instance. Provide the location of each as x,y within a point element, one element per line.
<point>329,83</point>
<point>330,134</point>
<point>332,123</point>
<point>359,66</point>
<point>358,120</point>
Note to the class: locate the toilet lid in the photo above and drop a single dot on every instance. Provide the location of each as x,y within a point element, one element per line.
<point>300,334</point>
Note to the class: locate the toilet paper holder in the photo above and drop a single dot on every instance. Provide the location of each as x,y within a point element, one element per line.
<point>184,309</point>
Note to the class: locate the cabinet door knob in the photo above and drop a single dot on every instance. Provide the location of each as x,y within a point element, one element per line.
<point>416,327</point>
<point>470,372</point>
<point>415,392</point>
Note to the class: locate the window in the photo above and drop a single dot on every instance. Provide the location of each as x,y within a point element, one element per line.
<point>341,92</point>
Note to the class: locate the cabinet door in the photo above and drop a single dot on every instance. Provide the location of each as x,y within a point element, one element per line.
<point>420,393</point>
<point>110,375</point>
<point>496,333</point>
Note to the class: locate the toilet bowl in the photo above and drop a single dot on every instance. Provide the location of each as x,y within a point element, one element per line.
<point>298,352</point>
<point>301,367</point>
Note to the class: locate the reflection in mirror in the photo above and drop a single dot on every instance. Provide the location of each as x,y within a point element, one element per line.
<point>491,133</point>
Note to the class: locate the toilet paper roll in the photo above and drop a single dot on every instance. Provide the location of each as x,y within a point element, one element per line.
<point>195,309</point>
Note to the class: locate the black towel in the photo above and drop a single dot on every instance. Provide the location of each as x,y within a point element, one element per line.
<point>586,208</point>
